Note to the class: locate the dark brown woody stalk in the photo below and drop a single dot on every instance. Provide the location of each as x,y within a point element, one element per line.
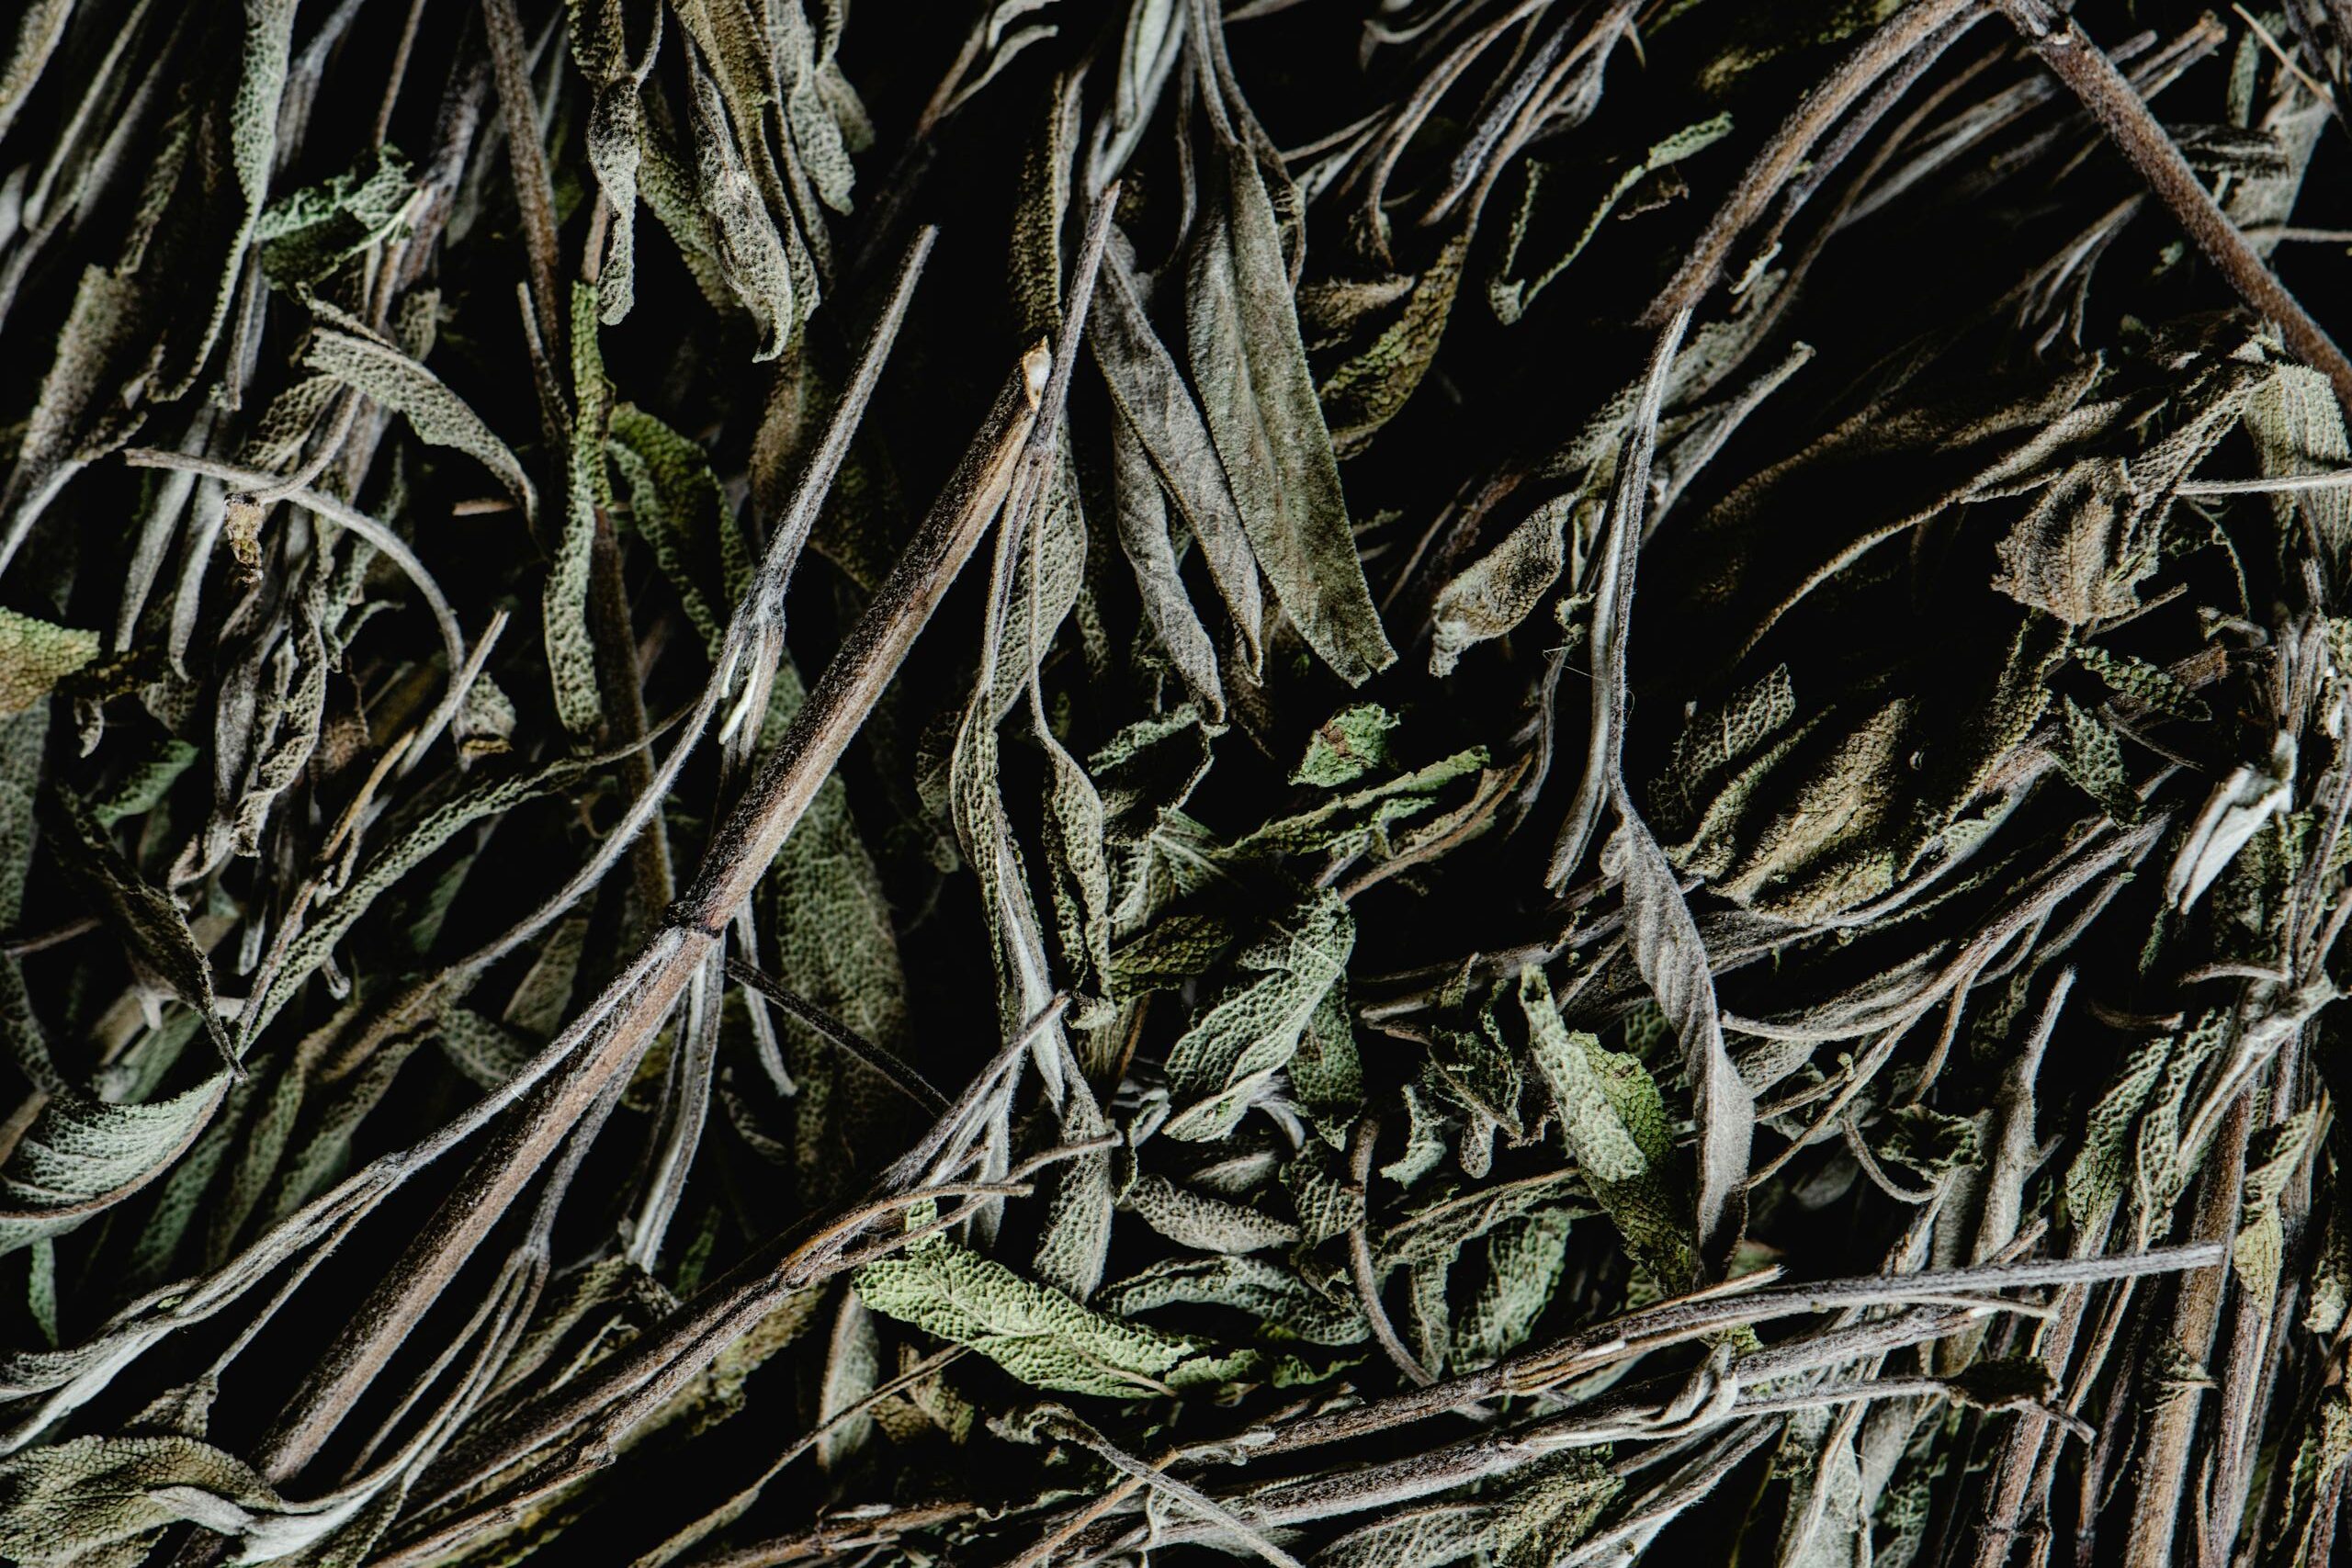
<point>642,998</point>
<point>2071,55</point>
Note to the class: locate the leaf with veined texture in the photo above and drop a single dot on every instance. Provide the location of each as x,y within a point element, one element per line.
<point>1140,508</point>
<point>370,365</point>
<point>615,140</point>
<point>146,785</point>
<point>759,240</point>
<point>1163,422</point>
<point>1076,1241</point>
<point>1524,1261</point>
<point>1502,587</point>
<point>1202,1223</point>
<point>1035,1333</point>
<point>1509,296</point>
<point>484,1049</point>
<point>1255,1284</point>
<point>1827,1525</point>
<point>2260,1247</point>
<point>2297,428</point>
<point>1078,866</point>
<point>853,1359</point>
<point>1373,386</point>
<point>1360,818</point>
<point>1327,1071</point>
<point>587,492</point>
<point>22,740</point>
<point>676,504</point>
<point>823,904</point>
<point>1259,404</point>
<point>307,233</point>
<point>35,655</point>
<point>1449,1215</point>
<point>38,29</point>
<point>84,1156</point>
<point>66,1504</point>
<point>2101,1173</point>
<point>1427,1537</point>
<point>265,43</point>
<point>1548,1514</point>
<point>1613,1121</point>
<point>1253,1029</point>
<point>1673,962</point>
<point>1345,747</point>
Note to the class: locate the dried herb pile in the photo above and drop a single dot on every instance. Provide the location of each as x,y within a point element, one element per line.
<point>1510,781</point>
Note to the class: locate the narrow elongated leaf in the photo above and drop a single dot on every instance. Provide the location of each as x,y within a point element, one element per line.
<point>1673,961</point>
<point>1259,402</point>
<point>1254,1029</point>
<point>587,494</point>
<point>1160,415</point>
<point>615,139</point>
<point>1373,387</point>
<point>675,503</point>
<point>39,28</point>
<point>1613,1120</point>
<point>1140,507</point>
<point>150,924</point>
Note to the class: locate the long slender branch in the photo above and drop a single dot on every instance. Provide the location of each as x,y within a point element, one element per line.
<point>738,856</point>
<point>821,729</point>
<point>1005,449</point>
<point>1781,159</point>
<point>1676,1322</point>
<point>2086,70</point>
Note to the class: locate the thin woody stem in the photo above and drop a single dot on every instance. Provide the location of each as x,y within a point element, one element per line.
<point>1785,155</point>
<point>1676,1322</point>
<point>2086,70</point>
<point>819,733</point>
<point>1008,441</point>
<point>739,854</point>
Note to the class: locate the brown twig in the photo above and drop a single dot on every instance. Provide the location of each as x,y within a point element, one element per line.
<point>1008,446</point>
<point>739,854</point>
<point>1784,154</point>
<point>1702,1312</point>
<point>2086,70</point>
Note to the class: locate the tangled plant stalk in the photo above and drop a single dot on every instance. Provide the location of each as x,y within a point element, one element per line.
<point>1527,782</point>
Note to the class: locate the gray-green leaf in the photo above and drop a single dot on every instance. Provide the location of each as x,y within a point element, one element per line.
<point>83,1155</point>
<point>1259,400</point>
<point>1038,1334</point>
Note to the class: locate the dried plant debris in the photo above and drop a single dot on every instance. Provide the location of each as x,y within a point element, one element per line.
<point>1051,783</point>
